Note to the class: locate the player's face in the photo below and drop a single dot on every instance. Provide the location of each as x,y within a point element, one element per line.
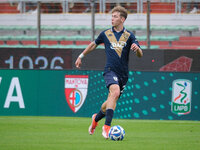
<point>116,19</point>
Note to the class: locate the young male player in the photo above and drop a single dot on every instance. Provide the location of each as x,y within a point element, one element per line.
<point>118,42</point>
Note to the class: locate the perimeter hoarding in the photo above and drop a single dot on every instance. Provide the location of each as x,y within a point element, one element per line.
<point>35,58</point>
<point>148,95</point>
<point>59,59</point>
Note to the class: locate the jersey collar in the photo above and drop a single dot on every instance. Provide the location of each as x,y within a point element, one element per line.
<point>113,30</point>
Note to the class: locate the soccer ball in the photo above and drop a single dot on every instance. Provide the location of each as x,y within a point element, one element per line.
<point>116,133</point>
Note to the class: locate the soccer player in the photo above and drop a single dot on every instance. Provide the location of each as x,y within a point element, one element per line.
<point>118,42</point>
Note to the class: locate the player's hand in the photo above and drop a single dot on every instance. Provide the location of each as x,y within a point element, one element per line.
<point>78,62</point>
<point>134,47</point>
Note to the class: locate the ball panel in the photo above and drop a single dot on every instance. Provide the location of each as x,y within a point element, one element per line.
<point>116,133</point>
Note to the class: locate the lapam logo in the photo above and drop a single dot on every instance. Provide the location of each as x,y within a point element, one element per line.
<point>181,96</point>
<point>76,87</point>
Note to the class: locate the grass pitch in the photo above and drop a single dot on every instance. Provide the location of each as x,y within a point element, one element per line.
<point>67,133</point>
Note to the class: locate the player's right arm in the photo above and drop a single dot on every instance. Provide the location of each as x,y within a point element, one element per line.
<point>89,48</point>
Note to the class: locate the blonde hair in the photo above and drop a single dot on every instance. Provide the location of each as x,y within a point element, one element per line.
<point>121,10</point>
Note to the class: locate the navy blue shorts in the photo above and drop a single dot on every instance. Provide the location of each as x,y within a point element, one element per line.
<point>111,78</point>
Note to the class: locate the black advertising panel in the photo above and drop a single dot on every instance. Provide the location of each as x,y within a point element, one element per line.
<point>152,60</point>
<point>166,60</point>
<point>181,60</point>
<point>27,58</point>
<point>95,60</point>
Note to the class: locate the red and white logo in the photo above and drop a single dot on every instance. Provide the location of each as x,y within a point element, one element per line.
<point>76,87</point>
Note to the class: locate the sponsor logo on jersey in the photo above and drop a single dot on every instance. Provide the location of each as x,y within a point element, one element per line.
<point>120,44</point>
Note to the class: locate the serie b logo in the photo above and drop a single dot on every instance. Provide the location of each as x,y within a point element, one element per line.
<point>181,96</point>
<point>76,90</point>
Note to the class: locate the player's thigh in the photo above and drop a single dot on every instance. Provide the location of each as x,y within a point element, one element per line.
<point>114,90</point>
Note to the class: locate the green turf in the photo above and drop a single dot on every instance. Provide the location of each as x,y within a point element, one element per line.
<point>65,133</point>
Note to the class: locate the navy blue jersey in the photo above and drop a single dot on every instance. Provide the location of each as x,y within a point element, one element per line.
<point>117,48</point>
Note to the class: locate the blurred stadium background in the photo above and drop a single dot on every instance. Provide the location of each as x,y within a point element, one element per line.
<point>174,24</point>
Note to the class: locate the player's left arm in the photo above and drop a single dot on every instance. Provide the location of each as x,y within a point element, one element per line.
<point>137,49</point>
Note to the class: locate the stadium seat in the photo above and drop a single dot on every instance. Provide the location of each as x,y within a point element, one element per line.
<point>5,38</point>
<point>82,39</point>
<point>18,27</point>
<point>78,28</point>
<point>151,47</point>
<point>159,38</point>
<point>78,38</point>
<point>18,46</point>
<point>65,46</point>
<point>52,38</point>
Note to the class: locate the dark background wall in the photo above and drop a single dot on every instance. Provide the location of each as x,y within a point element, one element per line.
<point>153,60</point>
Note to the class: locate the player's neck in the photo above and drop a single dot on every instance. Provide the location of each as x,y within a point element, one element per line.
<point>119,28</point>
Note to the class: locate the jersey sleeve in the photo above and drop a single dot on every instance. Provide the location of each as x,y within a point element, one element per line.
<point>134,40</point>
<point>99,39</point>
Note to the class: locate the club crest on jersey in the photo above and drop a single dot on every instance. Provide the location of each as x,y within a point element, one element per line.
<point>181,96</point>
<point>126,36</point>
<point>115,78</point>
<point>76,87</point>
